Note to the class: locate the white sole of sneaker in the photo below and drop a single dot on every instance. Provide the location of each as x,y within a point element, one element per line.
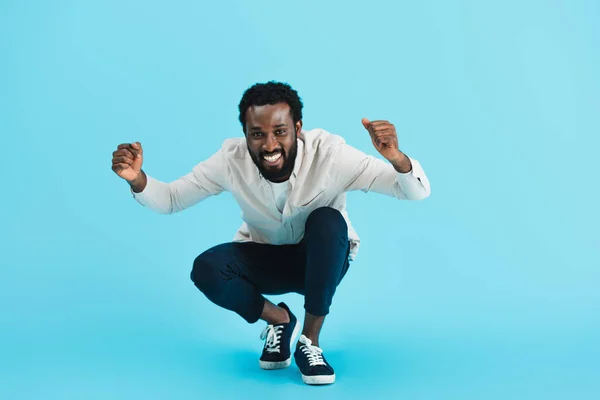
<point>275,364</point>
<point>286,363</point>
<point>318,379</point>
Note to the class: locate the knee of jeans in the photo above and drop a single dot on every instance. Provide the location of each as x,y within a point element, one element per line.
<point>204,272</point>
<point>327,219</point>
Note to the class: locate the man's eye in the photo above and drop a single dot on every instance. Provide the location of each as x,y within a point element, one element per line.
<point>257,134</point>
<point>280,132</point>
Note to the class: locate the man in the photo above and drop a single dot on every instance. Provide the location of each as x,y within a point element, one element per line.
<point>296,237</point>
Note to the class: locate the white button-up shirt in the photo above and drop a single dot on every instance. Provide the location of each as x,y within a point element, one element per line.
<point>325,169</point>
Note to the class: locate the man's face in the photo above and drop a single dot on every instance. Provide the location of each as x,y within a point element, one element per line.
<point>271,140</point>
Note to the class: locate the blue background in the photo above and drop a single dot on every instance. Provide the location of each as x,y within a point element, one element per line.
<point>489,289</point>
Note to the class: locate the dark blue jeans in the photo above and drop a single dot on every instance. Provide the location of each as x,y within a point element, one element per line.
<point>235,276</point>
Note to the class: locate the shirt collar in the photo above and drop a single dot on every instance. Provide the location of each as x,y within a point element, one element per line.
<point>299,157</point>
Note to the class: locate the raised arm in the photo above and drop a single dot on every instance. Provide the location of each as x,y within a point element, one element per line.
<point>401,177</point>
<point>208,178</point>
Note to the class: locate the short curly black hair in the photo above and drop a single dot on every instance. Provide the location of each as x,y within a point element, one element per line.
<point>271,92</point>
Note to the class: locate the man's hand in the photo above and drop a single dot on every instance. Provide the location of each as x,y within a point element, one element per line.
<point>385,140</point>
<point>127,163</point>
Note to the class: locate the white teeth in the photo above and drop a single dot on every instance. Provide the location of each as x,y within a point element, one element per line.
<point>272,158</point>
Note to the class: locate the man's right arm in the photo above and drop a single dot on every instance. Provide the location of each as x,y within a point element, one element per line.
<point>208,178</point>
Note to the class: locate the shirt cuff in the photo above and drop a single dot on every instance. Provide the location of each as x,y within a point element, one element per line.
<point>150,190</point>
<point>414,183</point>
<point>410,174</point>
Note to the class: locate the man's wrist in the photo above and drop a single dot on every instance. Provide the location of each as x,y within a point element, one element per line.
<point>402,163</point>
<point>139,184</point>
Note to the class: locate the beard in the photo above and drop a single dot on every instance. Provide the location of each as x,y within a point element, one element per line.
<point>276,174</point>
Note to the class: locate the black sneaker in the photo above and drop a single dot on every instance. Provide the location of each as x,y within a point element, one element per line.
<point>314,368</point>
<point>278,342</point>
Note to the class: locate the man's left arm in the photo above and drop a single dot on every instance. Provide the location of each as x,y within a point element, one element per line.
<point>401,176</point>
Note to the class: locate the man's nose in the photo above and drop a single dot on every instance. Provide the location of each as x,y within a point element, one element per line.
<point>271,143</point>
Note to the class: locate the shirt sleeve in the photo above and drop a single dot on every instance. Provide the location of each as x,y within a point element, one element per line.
<point>355,170</point>
<point>208,178</point>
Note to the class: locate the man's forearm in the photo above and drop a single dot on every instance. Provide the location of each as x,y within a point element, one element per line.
<point>139,183</point>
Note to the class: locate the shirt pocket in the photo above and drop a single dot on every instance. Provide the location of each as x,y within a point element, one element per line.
<point>312,200</point>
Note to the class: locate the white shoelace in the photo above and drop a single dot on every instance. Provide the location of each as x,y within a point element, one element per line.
<point>273,335</point>
<point>313,353</point>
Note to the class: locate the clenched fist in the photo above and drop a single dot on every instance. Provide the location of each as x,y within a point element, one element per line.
<point>127,161</point>
<point>384,138</point>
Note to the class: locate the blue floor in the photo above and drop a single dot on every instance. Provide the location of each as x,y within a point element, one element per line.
<point>111,337</point>
<point>162,363</point>
<point>163,367</point>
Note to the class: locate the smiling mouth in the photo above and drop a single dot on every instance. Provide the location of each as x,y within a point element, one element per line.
<point>273,158</point>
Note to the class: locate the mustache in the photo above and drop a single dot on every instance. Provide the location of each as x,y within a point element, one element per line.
<point>270,153</point>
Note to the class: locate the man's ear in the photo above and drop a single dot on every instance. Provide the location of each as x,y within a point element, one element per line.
<point>298,127</point>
